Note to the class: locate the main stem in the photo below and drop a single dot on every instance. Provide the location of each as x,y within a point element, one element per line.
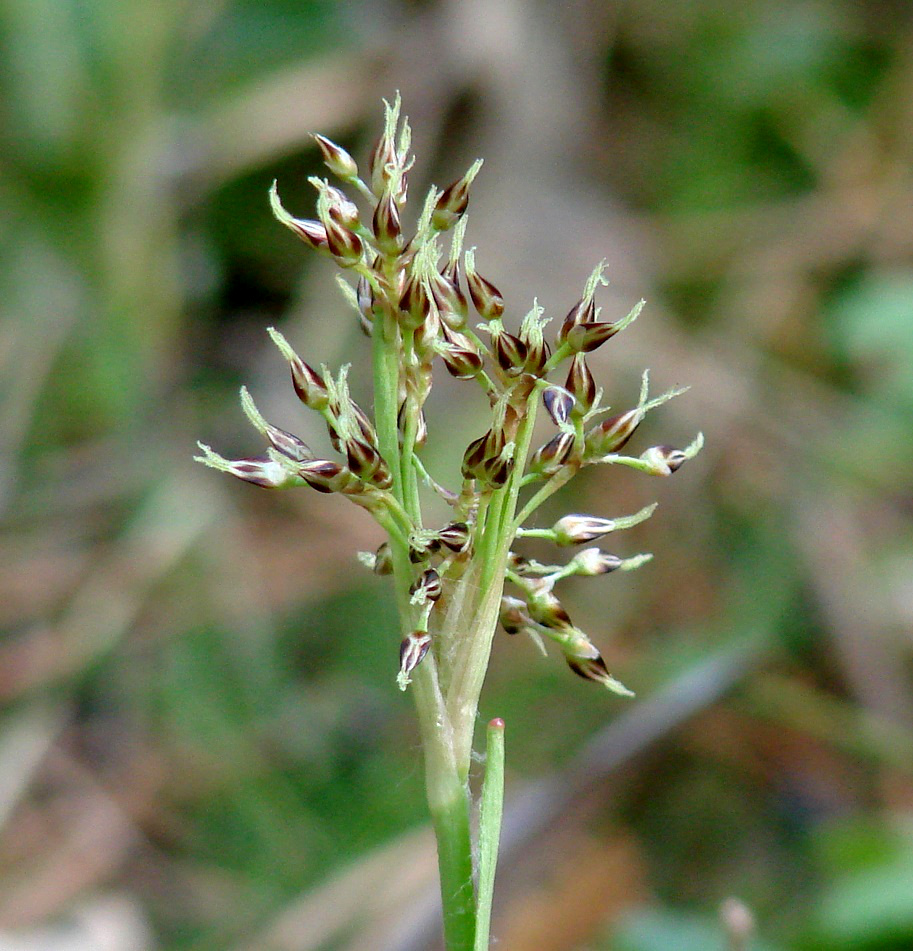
<point>447,791</point>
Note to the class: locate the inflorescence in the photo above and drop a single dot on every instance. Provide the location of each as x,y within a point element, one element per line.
<point>415,298</point>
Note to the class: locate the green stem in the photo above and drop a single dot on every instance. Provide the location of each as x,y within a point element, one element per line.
<point>490,813</point>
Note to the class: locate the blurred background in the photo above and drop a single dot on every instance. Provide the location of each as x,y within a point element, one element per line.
<point>202,747</point>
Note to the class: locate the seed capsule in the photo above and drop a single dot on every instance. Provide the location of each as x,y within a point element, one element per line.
<point>586,337</point>
<point>340,208</point>
<point>584,311</point>
<point>288,444</point>
<point>579,529</point>
<point>594,561</point>
<point>324,475</point>
<point>594,668</point>
<point>486,298</point>
<point>427,587</point>
<point>611,434</point>
<point>664,460</point>
<point>513,616</point>
<point>545,608</point>
<point>383,560</point>
<point>343,243</point>
<point>387,227</point>
<point>510,352</point>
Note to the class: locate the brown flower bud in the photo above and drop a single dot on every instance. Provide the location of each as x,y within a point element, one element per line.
<point>460,355</point>
<point>474,456</point>
<point>336,158</point>
<point>513,616</point>
<point>486,298</point>
<point>324,475</point>
<point>548,459</point>
<point>510,352</point>
<point>387,226</point>
<point>340,208</point>
<point>367,463</point>
<point>455,536</point>
<point>664,460</point>
<point>412,652</point>
<point>579,529</point>
<point>421,428</point>
<point>427,587</point>
<point>545,608</point>
<point>585,337</point>
<point>383,154</point>
<point>414,304</point>
<point>558,402</point>
<point>594,561</point>
<point>288,444</point>
<point>343,243</point>
<point>580,382</point>
<point>584,311</point>
<point>383,560</point>
<point>612,433</point>
<point>452,303</point>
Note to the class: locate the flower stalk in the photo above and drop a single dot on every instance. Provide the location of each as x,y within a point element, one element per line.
<point>412,295</point>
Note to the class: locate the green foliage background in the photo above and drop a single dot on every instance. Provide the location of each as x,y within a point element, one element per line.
<point>202,745</point>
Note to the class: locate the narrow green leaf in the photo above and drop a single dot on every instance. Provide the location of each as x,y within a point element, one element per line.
<point>490,829</point>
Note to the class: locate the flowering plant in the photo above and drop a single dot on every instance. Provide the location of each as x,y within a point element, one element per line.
<point>408,293</point>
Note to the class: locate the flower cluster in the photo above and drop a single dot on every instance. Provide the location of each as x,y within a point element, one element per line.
<point>414,294</point>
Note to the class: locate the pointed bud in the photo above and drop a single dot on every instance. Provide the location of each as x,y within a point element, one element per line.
<point>664,460</point>
<point>265,471</point>
<point>412,652</point>
<point>308,383</point>
<point>510,352</point>
<point>324,475</point>
<point>474,456</point>
<point>495,472</point>
<point>460,355</point>
<point>594,561</point>
<point>368,432</point>
<point>340,208</point>
<point>584,311</point>
<point>455,536</point>
<point>486,298</point>
<point>387,226</point>
<point>343,243</point>
<point>453,306</point>
<point>551,457</point>
<point>336,158</point>
<point>584,338</point>
<point>558,403</point>
<point>288,444</point>
<point>367,463</point>
<point>611,434</point>
<point>312,233</point>
<point>545,608</point>
<point>513,616</point>
<point>383,154</point>
<point>581,384</point>
<point>427,587</point>
<point>594,668</point>
<point>383,560</point>
<point>415,303</point>
<point>454,200</point>
<point>421,428</point>
<point>579,529</point>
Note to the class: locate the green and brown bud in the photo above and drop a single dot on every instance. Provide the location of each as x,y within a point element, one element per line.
<point>581,384</point>
<point>336,158</point>
<point>583,312</point>
<point>510,352</point>
<point>460,355</point>
<point>367,463</point>
<point>343,243</point>
<point>454,200</point>
<point>611,434</point>
<point>324,475</point>
<point>555,454</point>
<point>312,233</point>
<point>339,207</point>
<point>450,298</point>
<point>486,298</point>
<point>586,337</point>
<point>388,230</point>
<point>268,472</point>
<point>545,608</point>
<point>308,383</point>
<point>664,460</point>
<point>513,617</point>
<point>594,668</point>
<point>594,561</point>
<point>412,652</point>
<point>578,529</point>
<point>383,560</point>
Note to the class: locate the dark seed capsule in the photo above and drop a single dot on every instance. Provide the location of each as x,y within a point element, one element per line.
<point>412,652</point>
<point>584,338</point>
<point>549,458</point>
<point>581,383</point>
<point>289,444</point>
<point>559,403</point>
<point>611,434</point>
<point>486,298</point>
<point>455,536</point>
<point>336,158</point>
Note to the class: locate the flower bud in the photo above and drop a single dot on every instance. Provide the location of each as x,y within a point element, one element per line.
<point>545,608</point>
<point>474,456</point>
<point>367,463</point>
<point>336,158</point>
<point>612,433</point>
<point>387,226</point>
<point>456,536</point>
<point>288,444</point>
<point>454,200</point>
<point>308,383</point>
<point>339,207</point>
<point>594,561</point>
<point>266,471</point>
<point>510,352</point>
<point>594,668</point>
<point>663,460</point>
<point>452,303</point>
<point>584,311</point>
<point>414,303</point>
<point>383,155</point>
<point>513,616</point>
<point>421,427</point>
<point>383,560</point>
<point>558,403</point>
<point>324,475</point>
<point>343,243</point>
<point>427,587</point>
<point>581,384</point>
<point>486,298</point>
<point>578,529</point>
<point>312,233</point>
<point>585,337</point>
<point>412,652</point>
<point>548,459</point>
